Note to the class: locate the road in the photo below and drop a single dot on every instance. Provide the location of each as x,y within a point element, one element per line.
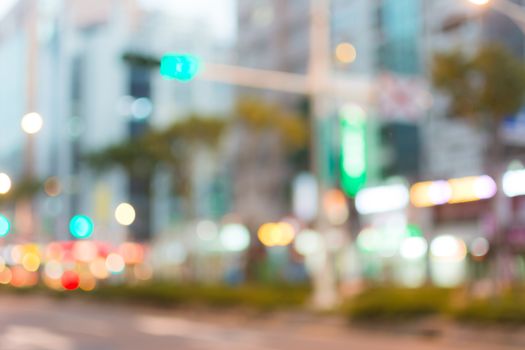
<point>38,323</point>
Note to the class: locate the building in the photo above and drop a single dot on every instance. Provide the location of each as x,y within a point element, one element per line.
<point>87,94</point>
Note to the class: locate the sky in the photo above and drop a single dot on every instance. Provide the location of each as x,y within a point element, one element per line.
<point>5,5</point>
<point>219,13</point>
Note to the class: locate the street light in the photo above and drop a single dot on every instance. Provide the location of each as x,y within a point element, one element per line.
<point>32,123</point>
<point>345,53</point>
<point>480,2</point>
<point>510,9</point>
<point>5,183</point>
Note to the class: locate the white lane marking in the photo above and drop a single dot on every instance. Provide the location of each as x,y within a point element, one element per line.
<point>30,338</point>
<point>167,326</point>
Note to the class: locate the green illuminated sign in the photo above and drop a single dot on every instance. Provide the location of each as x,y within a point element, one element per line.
<point>179,67</point>
<point>414,231</point>
<point>353,149</point>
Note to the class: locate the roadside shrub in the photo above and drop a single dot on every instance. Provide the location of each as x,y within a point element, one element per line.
<point>219,296</point>
<point>509,309</point>
<point>388,304</point>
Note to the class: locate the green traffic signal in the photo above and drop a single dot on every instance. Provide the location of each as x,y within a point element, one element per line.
<point>5,226</point>
<point>81,227</point>
<point>181,67</point>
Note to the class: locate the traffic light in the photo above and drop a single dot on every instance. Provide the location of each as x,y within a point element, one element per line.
<point>81,227</point>
<point>181,67</point>
<point>5,226</point>
<point>353,149</point>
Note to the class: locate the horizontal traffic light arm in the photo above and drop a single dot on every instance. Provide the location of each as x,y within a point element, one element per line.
<point>357,87</point>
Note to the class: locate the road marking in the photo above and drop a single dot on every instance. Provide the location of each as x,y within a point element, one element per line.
<point>29,338</point>
<point>222,338</point>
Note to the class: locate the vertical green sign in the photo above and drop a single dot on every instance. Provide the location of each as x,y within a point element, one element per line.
<point>353,149</point>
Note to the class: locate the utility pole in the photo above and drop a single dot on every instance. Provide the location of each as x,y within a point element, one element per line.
<point>319,76</point>
<point>25,216</point>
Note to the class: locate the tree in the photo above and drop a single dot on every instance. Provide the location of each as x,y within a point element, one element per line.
<point>263,139</point>
<point>484,88</point>
<point>25,189</point>
<point>171,148</point>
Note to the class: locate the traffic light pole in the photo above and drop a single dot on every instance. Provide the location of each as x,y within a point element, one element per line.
<point>320,86</point>
<point>324,280</point>
<point>24,212</point>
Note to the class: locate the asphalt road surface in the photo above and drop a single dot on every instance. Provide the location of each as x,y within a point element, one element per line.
<point>38,323</point>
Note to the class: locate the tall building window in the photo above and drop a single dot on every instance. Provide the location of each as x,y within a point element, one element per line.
<point>400,25</point>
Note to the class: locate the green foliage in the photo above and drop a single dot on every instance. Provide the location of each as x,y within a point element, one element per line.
<point>171,147</point>
<point>263,116</point>
<point>137,157</point>
<point>509,309</point>
<point>165,294</point>
<point>25,189</point>
<point>195,129</point>
<point>397,303</point>
<point>490,83</point>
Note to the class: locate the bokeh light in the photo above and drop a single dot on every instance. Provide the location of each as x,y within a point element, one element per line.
<point>369,240</point>
<point>31,262</point>
<point>382,199</point>
<point>235,237</point>
<point>54,251</point>
<point>308,242</point>
<point>124,105</point>
<point>413,248</point>
<point>98,268</point>
<point>470,189</point>
<point>5,183</point>
<point>16,254</point>
<point>21,278</point>
<point>81,227</point>
<point>335,207</point>
<point>430,193</point>
<point>207,230</point>
<point>87,282</point>
<point>133,253</point>
<point>70,280</point>
<point>32,123</point>
<point>53,283</point>
<point>448,248</point>
<point>52,187</point>
<point>514,183</point>
<point>276,234</point>
<point>125,214</point>
<point>115,263</point>
<point>345,53</point>
<point>5,226</point>
<point>85,251</point>
<point>141,108</point>
<point>6,276</point>
<point>480,2</point>
<point>53,269</point>
<point>479,247</point>
<point>453,191</point>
